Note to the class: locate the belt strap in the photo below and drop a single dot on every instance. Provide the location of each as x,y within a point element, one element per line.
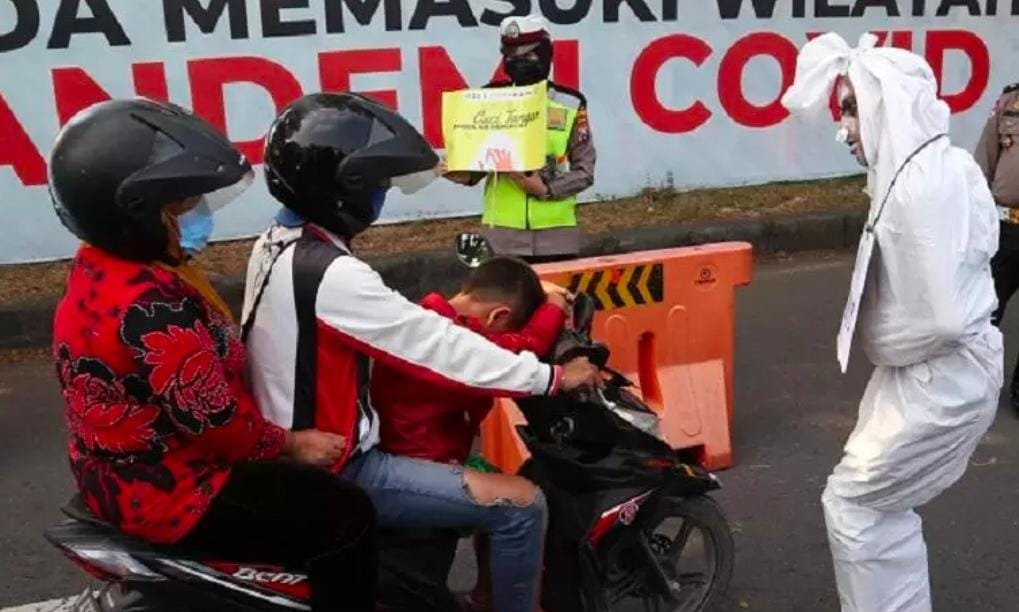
<point>1008,215</point>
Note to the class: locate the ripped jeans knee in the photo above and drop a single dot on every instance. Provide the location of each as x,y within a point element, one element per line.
<point>414,493</point>
<point>500,489</point>
<point>517,505</point>
<point>518,516</point>
<point>510,509</point>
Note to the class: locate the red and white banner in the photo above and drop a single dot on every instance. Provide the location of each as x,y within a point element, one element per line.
<point>681,92</point>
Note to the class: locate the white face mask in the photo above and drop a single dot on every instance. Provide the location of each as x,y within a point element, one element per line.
<point>847,127</point>
<point>414,182</point>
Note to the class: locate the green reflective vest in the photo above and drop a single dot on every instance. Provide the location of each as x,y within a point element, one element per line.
<point>509,206</point>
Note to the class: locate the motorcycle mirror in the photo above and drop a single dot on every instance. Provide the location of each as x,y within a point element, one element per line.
<point>583,313</point>
<point>473,249</point>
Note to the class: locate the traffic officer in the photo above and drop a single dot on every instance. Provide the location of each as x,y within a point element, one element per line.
<point>998,156</point>
<point>533,214</point>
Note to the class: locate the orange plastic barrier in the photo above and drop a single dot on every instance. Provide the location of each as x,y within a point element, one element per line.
<point>668,318</point>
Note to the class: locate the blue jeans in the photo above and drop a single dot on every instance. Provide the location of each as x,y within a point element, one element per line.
<point>413,493</point>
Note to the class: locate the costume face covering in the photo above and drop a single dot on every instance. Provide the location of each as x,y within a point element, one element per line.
<point>896,98</point>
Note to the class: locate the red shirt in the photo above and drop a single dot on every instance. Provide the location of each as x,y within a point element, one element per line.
<point>152,375</point>
<point>425,420</point>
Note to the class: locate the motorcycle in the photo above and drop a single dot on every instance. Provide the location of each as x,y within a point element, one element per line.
<point>631,522</point>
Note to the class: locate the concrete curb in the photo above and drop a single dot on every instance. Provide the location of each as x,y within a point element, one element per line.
<point>28,325</point>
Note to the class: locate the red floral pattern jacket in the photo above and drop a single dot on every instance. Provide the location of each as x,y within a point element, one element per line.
<point>152,375</point>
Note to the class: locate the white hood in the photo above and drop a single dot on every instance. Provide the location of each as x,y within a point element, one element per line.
<point>896,93</point>
<point>930,285</point>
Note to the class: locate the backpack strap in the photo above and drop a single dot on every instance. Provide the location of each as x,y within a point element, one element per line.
<point>312,257</point>
<point>263,282</point>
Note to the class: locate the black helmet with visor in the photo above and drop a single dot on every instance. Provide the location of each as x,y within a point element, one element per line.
<point>116,166</point>
<point>331,157</point>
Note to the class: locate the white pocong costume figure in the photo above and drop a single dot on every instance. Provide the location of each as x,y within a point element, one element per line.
<point>924,319</point>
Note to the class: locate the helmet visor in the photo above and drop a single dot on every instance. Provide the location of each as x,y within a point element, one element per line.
<point>223,196</point>
<point>415,181</point>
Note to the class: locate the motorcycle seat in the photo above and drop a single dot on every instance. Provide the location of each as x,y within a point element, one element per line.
<point>76,509</point>
<point>80,514</point>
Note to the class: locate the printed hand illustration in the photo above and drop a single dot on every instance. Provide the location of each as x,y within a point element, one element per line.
<point>501,158</point>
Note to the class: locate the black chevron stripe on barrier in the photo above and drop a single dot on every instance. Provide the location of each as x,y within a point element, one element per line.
<point>621,287</point>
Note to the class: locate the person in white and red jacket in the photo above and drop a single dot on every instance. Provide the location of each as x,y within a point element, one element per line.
<point>315,317</point>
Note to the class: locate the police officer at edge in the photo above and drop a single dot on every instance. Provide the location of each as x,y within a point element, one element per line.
<point>533,215</point>
<point>998,156</point>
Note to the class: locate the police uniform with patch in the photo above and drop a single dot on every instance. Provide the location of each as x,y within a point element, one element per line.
<point>998,156</point>
<point>540,229</point>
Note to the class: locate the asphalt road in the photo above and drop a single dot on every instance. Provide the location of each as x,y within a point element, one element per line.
<point>793,413</point>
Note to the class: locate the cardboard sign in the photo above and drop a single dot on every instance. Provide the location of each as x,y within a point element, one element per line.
<point>495,130</point>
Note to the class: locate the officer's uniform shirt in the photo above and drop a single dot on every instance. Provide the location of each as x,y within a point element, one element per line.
<point>581,156</point>
<point>998,151</point>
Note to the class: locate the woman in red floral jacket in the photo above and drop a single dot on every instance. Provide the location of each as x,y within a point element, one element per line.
<point>165,441</point>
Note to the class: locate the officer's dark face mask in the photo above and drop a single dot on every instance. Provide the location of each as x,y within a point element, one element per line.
<point>527,67</point>
<point>526,71</point>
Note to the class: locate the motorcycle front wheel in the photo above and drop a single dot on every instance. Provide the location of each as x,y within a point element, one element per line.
<point>689,545</point>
